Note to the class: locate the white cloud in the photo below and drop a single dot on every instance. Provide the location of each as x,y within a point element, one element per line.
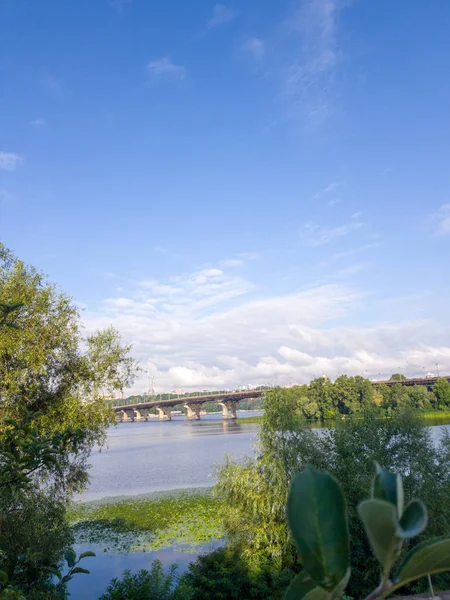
<point>255,48</point>
<point>316,235</point>
<point>310,76</point>
<point>165,70</point>
<point>221,14</point>
<point>10,161</point>
<point>443,218</point>
<point>328,189</point>
<point>39,122</point>
<point>234,338</point>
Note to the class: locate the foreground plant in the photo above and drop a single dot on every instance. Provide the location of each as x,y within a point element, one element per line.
<point>317,517</point>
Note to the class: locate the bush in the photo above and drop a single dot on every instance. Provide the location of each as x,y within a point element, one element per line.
<point>224,575</point>
<point>148,585</point>
<point>254,494</point>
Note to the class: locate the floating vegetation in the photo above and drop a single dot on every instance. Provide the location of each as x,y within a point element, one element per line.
<point>180,519</point>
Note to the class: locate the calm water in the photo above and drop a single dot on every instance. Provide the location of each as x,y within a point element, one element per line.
<point>155,456</point>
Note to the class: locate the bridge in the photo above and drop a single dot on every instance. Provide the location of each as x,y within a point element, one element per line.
<point>227,401</point>
<point>427,382</point>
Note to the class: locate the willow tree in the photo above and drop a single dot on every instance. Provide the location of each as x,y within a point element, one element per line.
<point>50,369</point>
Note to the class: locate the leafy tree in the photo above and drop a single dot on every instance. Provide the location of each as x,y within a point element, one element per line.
<point>254,493</point>
<point>51,385</point>
<point>47,369</point>
<point>154,584</point>
<point>397,377</point>
<point>320,390</point>
<point>419,397</point>
<point>398,396</point>
<point>224,574</point>
<point>441,390</point>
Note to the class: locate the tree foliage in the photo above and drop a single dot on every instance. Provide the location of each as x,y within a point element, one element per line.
<point>255,493</point>
<point>52,381</point>
<point>317,516</point>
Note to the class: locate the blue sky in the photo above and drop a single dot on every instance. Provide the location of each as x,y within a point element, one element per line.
<point>251,192</point>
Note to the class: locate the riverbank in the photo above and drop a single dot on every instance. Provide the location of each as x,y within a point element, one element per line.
<point>180,519</point>
<point>432,417</point>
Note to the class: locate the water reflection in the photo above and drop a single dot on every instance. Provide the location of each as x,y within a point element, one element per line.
<point>153,456</point>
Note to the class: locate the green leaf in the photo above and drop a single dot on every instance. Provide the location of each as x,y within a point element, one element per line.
<point>79,570</point>
<point>316,593</point>
<point>301,585</point>
<point>388,486</point>
<point>86,554</point>
<point>318,522</point>
<point>380,522</point>
<point>341,585</point>
<point>414,520</point>
<point>70,557</point>
<point>54,571</point>
<point>427,558</point>
<point>4,578</point>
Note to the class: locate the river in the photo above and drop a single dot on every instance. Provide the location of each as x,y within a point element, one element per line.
<point>155,456</point>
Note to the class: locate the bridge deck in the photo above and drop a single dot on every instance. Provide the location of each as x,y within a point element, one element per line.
<point>193,400</point>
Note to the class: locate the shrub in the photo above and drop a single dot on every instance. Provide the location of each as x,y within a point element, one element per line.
<point>224,575</point>
<point>145,585</point>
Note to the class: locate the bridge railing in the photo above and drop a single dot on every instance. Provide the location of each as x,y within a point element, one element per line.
<point>136,400</point>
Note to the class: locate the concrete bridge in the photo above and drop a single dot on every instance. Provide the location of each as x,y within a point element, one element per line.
<point>228,402</point>
<point>427,382</point>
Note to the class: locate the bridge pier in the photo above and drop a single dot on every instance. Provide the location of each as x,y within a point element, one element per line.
<point>165,412</point>
<point>142,413</point>
<point>228,409</point>
<point>128,415</point>
<point>193,411</point>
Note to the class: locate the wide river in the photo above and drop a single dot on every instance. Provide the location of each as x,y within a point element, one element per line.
<point>154,456</point>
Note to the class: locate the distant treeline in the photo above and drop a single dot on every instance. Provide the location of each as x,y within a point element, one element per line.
<point>324,399</point>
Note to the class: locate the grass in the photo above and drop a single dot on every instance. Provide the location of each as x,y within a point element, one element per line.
<point>182,519</point>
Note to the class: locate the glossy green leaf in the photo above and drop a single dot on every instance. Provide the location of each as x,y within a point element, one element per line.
<point>301,585</point>
<point>318,521</point>
<point>70,557</point>
<point>431,556</point>
<point>414,520</point>
<point>388,486</point>
<point>337,591</point>
<point>380,522</point>
<point>79,570</point>
<point>86,554</point>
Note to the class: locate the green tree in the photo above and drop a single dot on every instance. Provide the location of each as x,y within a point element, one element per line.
<point>320,391</point>
<point>254,493</point>
<point>441,390</point>
<point>145,585</point>
<point>224,574</point>
<point>419,397</point>
<point>52,382</point>
<point>48,369</point>
<point>397,377</point>
<point>398,396</point>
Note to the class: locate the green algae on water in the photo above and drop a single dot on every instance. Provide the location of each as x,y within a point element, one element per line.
<point>183,519</point>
